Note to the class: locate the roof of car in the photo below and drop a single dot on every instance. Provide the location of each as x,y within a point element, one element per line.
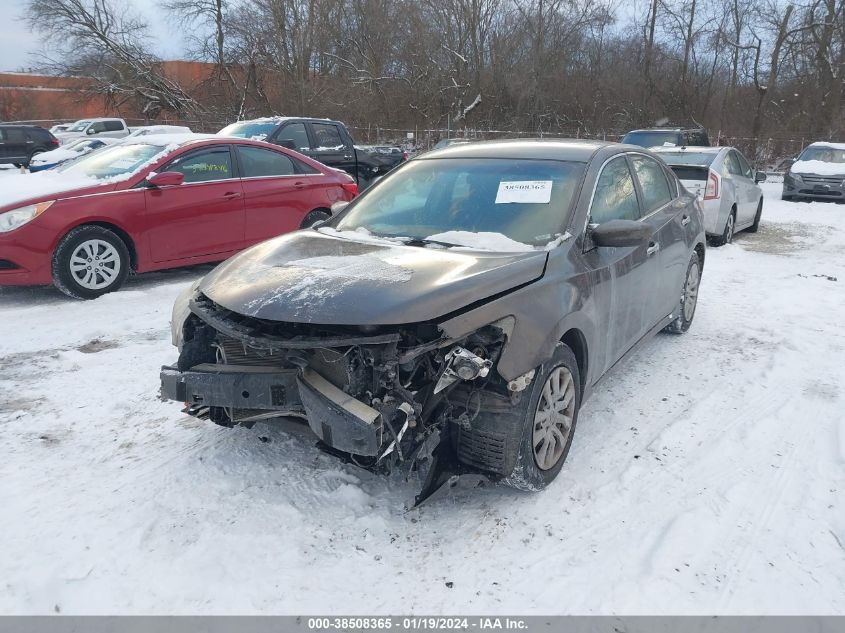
<point>696,149</point>
<point>553,149</point>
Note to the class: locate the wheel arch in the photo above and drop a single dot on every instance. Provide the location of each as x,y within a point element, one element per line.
<point>577,342</point>
<point>114,228</point>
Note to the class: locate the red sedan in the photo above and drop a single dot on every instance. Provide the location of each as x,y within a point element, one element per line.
<point>160,202</point>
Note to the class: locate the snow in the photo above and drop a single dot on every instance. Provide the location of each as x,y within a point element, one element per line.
<point>482,241</point>
<point>706,474</point>
<point>819,167</point>
<point>19,187</point>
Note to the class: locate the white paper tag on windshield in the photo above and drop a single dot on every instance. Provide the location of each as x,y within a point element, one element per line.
<point>536,191</point>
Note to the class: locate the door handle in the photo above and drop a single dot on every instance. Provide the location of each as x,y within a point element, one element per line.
<point>685,220</point>
<point>232,195</point>
<point>347,156</point>
<point>299,185</point>
<point>653,247</point>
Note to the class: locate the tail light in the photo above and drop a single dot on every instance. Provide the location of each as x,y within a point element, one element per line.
<point>712,190</point>
<point>404,155</point>
<point>54,141</point>
<point>350,188</point>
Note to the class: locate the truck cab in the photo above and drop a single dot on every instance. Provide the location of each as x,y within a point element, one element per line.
<point>321,139</point>
<point>102,127</point>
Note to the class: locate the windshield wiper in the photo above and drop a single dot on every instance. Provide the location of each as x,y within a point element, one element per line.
<point>421,241</point>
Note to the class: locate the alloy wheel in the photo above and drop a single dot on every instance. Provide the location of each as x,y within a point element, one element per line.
<point>729,229</point>
<point>691,291</point>
<point>553,418</point>
<point>95,264</point>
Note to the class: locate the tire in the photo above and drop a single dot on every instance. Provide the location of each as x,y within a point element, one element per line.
<point>753,228</point>
<point>535,469</point>
<point>689,297</point>
<point>313,217</point>
<point>33,155</point>
<point>727,235</point>
<point>78,270</point>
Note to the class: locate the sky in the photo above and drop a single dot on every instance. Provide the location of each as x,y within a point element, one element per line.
<point>18,47</point>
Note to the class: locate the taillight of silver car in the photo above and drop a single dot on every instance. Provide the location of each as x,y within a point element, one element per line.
<point>712,190</point>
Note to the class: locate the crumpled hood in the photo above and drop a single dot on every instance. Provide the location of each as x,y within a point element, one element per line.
<point>309,277</point>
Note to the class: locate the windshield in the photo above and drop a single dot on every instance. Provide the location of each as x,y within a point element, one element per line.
<point>78,126</point>
<point>249,129</point>
<point>687,158</point>
<point>823,154</point>
<point>113,161</point>
<point>653,139</point>
<point>525,200</point>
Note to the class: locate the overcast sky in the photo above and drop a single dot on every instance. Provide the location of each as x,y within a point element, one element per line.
<point>18,45</point>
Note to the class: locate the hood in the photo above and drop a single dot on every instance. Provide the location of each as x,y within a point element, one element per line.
<point>18,190</point>
<point>309,277</point>
<point>817,168</point>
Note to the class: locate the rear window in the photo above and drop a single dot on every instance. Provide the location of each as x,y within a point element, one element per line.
<point>653,138</point>
<point>688,158</point>
<point>690,173</point>
<point>257,130</point>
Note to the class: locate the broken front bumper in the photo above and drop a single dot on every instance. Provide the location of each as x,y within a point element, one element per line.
<point>249,393</point>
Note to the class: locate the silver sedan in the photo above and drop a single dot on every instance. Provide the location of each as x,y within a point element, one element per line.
<point>726,184</point>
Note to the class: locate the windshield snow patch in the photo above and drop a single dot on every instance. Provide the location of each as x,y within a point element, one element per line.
<point>482,241</point>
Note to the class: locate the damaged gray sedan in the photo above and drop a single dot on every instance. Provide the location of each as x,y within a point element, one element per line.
<point>452,320</point>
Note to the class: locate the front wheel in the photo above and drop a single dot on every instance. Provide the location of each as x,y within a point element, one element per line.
<point>89,262</point>
<point>548,422</point>
<point>317,215</point>
<point>689,297</point>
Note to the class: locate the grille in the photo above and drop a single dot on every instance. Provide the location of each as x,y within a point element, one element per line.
<point>236,353</point>
<point>482,449</point>
<point>822,180</point>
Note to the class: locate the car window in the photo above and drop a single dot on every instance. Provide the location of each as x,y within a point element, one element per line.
<point>743,165</point>
<point>732,164</point>
<point>615,197</point>
<point>15,135</point>
<point>294,132</point>
<point>259,163</point>
<point>653,138</point>
<point>113,126</point>
<point>326,136</point>
<point>653,182</point>
<point>98,127</point>
<point>204,166</point>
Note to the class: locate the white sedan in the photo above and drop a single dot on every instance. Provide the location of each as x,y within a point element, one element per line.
<point>724,182</point>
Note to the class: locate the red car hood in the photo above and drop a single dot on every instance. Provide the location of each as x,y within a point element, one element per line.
<point>20,190</point>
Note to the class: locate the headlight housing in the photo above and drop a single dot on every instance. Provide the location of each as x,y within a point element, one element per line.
<point>10,220</point>
<point>181,312</point>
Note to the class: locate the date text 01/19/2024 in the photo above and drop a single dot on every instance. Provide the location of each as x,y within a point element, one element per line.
<point>416,623</point>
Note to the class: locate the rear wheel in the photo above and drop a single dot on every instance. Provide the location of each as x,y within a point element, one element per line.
<point>753,228</point>
<point>548,421</point>
<point>727,235</point>
<point>313,217</point>
<point>89,262</point>
<point>689,297</point>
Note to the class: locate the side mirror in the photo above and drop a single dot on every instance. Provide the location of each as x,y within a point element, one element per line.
<point>288,143</point>
<point>166,179</point>
<point>339,206</point>
<point>90,131</point>
<point>621,233</point>
<point>760,176</point>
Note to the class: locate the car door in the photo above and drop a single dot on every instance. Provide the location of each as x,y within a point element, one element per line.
<point>331,147</point>
<point>664,213</point>
<point>293,136</point>
<point>15,142</point>
<point>736,186</point>
<point>628,271</point>
<point>202,216</point>
<point>279,191</point>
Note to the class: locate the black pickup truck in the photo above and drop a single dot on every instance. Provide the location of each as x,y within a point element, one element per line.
<point>322,139</point>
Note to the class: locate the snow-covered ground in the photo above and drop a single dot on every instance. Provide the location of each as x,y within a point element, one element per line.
<point>707,473</point>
